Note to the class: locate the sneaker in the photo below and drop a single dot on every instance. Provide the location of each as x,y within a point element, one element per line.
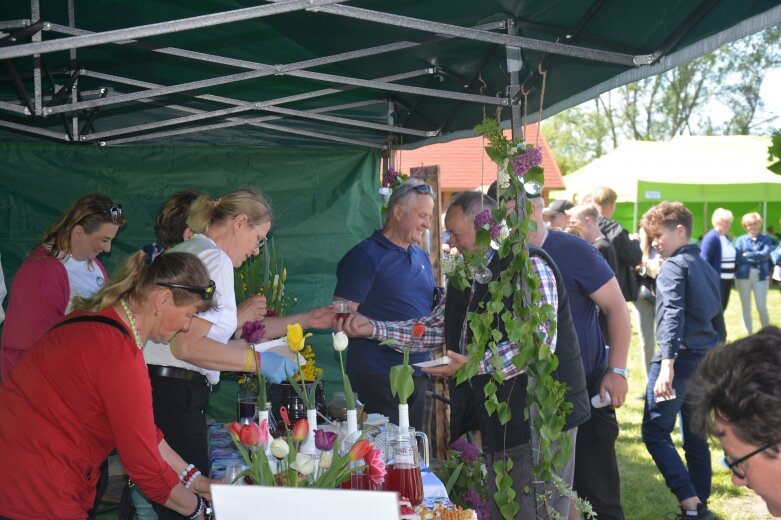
<point>702,513</point>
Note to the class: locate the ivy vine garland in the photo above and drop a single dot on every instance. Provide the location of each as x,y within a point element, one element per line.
<point>519,172</point>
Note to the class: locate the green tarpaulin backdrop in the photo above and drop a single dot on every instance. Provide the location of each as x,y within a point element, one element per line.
<point>324,202</point>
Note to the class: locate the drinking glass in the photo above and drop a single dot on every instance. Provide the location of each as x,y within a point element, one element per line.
<point>343,308</point>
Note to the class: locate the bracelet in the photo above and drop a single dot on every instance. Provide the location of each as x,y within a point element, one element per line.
<point>191,480</point>
<point>185,471</point>
<point>208,511</point>
<point>195,515</point>
<point>189,474</point>
<point>248,362</point>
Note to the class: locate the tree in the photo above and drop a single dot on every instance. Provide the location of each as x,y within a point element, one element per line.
<point>679,101</point>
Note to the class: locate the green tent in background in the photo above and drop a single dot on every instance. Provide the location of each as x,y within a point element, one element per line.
<point>703,172</point>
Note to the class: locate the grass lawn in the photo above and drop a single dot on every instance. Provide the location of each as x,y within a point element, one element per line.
<point>644,494</point>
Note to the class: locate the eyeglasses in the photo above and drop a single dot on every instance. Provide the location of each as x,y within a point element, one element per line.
<point>115,212</point>
<point>735,465</point>
<point>206,293</point>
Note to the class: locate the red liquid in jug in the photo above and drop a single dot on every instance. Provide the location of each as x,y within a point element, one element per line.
<point>405,479</point>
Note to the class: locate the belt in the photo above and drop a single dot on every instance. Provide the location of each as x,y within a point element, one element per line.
<point>176,373</point>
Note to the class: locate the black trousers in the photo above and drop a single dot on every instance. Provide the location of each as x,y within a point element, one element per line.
<point>179,408</point>
<point>596,469</point>
<point>726,290</point>
<point>375,394</point>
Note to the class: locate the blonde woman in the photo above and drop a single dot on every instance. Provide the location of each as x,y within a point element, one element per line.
<point>752,256</point>
<point>718,251</point>
<point>83,391</point>
<point>62,266</point>
<point>227,231</point>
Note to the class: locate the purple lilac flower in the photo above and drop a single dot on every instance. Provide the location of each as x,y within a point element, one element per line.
<point>473,499</point>
<point>469,452</point>
<point>527,160</point>
<point>389,177</point>
<point>483,218</point>
<point>252,331</point>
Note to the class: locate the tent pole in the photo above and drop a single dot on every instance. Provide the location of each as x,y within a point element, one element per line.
<point>634,215</point>
<point>764,213</point>
<point>704,217</point>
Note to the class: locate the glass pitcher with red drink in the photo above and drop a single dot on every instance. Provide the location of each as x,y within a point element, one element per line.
<point>402,462</point>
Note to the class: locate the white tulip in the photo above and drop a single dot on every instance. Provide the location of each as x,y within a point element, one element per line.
<point>303,464</point>
<point>279,448</point>
<point>325,459</point>
<point>340,341</point>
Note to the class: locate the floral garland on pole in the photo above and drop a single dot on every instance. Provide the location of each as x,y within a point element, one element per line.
<point>519,173</point>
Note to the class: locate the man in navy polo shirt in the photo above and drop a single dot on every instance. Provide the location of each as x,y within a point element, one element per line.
<point>389,278</point>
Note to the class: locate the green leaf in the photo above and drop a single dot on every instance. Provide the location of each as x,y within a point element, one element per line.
<point>453,478</point>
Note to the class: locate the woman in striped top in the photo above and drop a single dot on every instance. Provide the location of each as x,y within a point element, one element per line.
<point>718,251</point>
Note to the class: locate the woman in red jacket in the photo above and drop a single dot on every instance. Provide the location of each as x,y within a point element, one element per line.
<point>62,266</point>
<point>83,390</point>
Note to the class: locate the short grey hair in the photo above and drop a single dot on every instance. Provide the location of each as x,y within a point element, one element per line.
<point>404,192</point>
<point>472,203</point>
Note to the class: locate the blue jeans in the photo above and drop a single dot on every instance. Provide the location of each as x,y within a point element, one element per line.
<point>658,424</point>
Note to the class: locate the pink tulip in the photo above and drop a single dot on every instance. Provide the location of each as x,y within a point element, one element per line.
<point>360,449</point>
<point>263,437</point>
<point>376,466</point>
<point>300,430</point>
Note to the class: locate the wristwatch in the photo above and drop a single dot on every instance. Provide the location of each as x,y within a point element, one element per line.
<point>620,371</point>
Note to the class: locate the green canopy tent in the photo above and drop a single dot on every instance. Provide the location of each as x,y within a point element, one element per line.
<point>298,98</point>
<point>702,172</point>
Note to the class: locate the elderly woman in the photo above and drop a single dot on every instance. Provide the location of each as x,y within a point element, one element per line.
<point>227,231</point>
<point>718,251</point>
<point>752,255</point>
<point>83,391</point>
<point>62,266</point>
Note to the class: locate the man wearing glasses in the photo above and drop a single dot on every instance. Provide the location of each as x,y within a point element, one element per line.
<point>389,278</point>
<point>736,397</point>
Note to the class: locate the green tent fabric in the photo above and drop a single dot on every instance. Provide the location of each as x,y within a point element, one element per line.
<point>344,40</point>
<point>704,172</point>
<point>324,202</point>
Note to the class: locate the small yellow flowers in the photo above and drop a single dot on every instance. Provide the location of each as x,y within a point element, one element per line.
<point>296,337</point>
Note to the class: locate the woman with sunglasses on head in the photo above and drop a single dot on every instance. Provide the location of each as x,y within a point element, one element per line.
<point>62,266</point>
<point>227,231</point>
<point>83,391</point>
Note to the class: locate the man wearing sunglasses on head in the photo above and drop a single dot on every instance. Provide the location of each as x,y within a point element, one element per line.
<point>736,397</point>
<point>389,278</point>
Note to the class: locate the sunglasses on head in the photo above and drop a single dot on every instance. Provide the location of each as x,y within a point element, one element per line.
<point>423,189</point>
<point>114,212</point>
<point>206,293</point>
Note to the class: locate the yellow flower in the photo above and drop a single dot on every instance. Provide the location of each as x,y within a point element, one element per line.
<point>296,337</point>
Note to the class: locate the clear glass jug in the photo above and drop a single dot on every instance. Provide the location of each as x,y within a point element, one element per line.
<point>402,462</point>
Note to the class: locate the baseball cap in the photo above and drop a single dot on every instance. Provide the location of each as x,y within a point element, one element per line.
<point>558,206</point>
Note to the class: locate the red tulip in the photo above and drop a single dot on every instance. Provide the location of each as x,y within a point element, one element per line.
<point>418,330</point>
<point>300,430</point>
<point>360,449</point>
<point>250,434</point>
<point>235,429</point>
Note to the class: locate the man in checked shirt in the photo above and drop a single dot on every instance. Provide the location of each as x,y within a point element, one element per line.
<point>447,326</point>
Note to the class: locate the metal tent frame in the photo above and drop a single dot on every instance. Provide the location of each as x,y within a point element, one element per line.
<point>32,112</point>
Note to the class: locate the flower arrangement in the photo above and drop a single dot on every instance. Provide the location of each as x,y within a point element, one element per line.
<point>265,274</point>
<point>391,178</point>
<point>297,469</point>
<point>465,476</point>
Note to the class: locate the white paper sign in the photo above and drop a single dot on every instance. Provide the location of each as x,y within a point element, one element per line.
<point>279,346</point>
<point>253,502</point>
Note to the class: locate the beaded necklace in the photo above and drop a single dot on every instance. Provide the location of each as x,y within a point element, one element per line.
<point>131,317</point>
